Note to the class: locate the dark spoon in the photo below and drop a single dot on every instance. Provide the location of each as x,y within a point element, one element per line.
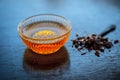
<point>109,29</point>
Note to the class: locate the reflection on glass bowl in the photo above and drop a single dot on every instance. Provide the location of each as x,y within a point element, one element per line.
<point>44,33</point>
<point>46,65</point>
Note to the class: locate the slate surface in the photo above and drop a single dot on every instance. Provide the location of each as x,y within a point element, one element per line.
<point>87,17</point>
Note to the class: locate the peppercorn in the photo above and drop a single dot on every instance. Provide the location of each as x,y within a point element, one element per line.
<point>92,43</point>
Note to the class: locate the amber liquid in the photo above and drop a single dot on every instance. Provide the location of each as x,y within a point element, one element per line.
<point>44,30</point>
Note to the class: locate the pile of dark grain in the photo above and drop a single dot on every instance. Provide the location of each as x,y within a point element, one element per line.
<point>92,43</point>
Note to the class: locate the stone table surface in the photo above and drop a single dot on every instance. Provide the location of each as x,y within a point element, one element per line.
<point>87,17</point>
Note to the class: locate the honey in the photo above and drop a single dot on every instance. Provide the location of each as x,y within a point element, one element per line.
<point>46,36</point>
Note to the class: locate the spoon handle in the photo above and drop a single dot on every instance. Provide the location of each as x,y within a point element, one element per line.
<point>107,30</point>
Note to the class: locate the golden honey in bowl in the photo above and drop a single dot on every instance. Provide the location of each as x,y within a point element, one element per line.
<point>44,36</point>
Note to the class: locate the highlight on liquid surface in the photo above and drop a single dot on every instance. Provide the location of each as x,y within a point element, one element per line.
<point>45,30</point>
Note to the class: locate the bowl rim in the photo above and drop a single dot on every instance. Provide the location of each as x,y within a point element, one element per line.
<point>56,37</point>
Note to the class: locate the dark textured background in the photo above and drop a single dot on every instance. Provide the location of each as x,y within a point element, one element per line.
<point>86,16</point>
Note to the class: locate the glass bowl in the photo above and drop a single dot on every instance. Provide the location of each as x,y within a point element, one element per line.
<point>44,33</point>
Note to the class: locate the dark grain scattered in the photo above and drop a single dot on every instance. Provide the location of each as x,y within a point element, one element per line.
<point>116,41</point>
<point>92,43</point>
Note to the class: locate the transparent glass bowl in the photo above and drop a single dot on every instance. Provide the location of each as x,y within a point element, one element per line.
<point>44,33</point>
